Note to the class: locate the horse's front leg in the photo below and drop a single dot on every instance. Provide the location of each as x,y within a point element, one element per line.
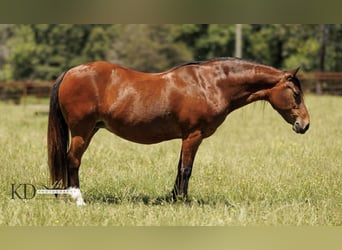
<point>190,145</point>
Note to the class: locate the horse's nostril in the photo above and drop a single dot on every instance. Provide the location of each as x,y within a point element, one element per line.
<point>297,127</point>
<point>307,127</point>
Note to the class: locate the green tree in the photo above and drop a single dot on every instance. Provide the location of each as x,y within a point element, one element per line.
<point>284,46</point>
<point>4,52</point>
<point>21,57</point>
<point>208,40</point>
<point>148,48</point>
<point>43,51</point>
<point>264,43</point>
<point>99,42</point>
<point>333,60</point>
<point>302,47</point>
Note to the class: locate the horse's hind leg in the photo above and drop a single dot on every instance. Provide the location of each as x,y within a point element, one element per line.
<point>189,149</point>
<point>78,145</point>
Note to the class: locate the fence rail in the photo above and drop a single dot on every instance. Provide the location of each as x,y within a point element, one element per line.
<point>322,82</point>
<point>314,82</point>
<point>15,91</point>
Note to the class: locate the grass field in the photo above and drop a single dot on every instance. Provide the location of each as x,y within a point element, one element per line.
<point>253,171</point>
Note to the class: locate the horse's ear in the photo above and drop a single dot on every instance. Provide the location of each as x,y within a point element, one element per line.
<point>294,71</point>
<point>289,75</point>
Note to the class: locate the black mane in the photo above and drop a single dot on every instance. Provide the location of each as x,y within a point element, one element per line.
<point>186,64</point>
<point>211,60</point>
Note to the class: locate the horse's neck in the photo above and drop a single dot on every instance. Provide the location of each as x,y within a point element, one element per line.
<point>250,84</point>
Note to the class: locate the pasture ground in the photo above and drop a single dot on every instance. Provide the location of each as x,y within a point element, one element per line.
<point>253,171</point>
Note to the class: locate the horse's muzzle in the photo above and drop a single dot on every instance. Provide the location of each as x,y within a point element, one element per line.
<point>300,128</point>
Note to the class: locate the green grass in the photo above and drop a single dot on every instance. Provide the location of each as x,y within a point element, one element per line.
<point>253,171</point>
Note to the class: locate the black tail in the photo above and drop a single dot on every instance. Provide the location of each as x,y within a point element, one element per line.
<point>57,139</point>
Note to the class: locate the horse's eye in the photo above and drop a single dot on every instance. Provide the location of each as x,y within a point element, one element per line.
<point>296,94</point>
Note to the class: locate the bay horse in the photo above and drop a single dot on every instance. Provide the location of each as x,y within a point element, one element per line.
<point>188,102</point>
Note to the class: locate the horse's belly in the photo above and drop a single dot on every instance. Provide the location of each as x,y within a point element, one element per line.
<point>145,132</point>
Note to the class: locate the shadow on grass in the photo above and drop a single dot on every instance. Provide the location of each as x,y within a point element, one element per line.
<point>122,198</point>
<point>152,201</point>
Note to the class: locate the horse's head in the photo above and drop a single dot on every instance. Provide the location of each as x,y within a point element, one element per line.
<point>287,98</point>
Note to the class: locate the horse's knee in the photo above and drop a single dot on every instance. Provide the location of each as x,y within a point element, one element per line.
<point>76,151</point>
<point>73,162</point>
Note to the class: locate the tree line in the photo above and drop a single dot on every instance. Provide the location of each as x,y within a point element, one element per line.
<point>43,51</point>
